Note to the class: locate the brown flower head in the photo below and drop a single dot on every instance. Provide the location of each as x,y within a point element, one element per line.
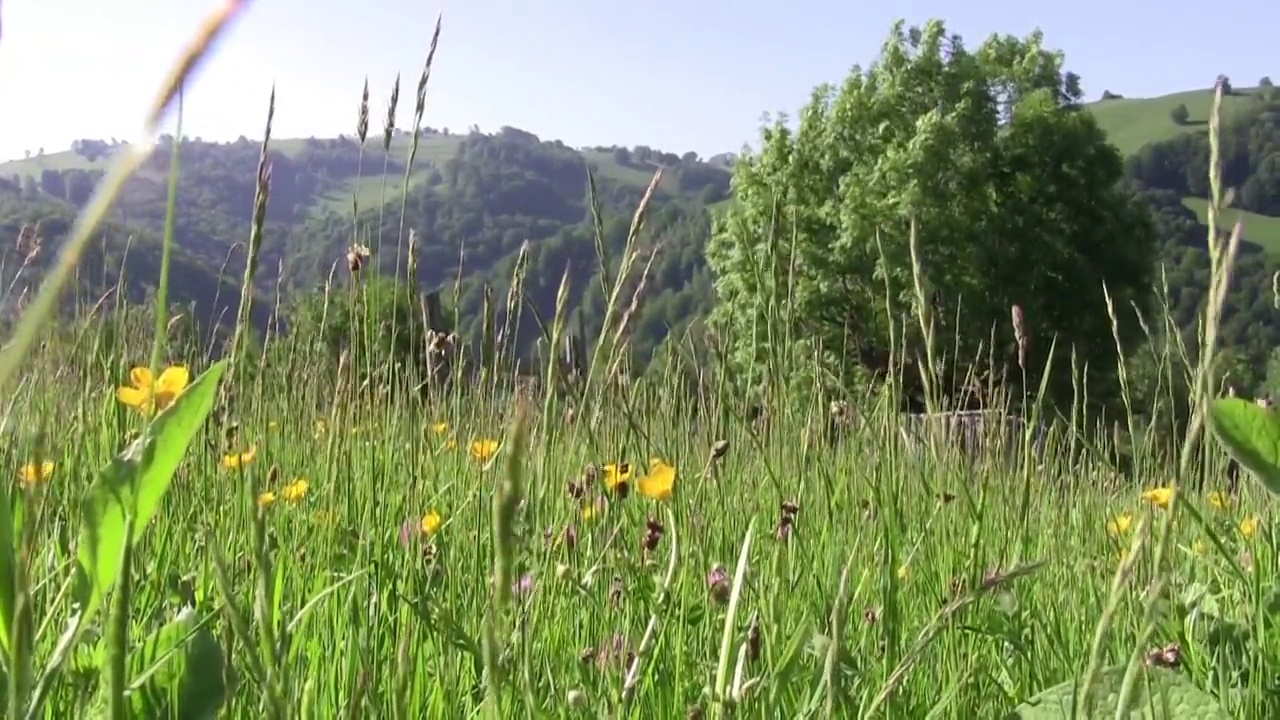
<point>652,535</point>
<point>718,583</point>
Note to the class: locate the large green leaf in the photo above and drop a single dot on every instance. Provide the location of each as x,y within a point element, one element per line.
<point>1161,694</point>
<point>186,669</point>
<point>1252,435</point>
<point>178,672</point>
<point>132,485</point>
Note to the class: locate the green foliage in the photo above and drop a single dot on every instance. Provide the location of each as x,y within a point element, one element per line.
<point>985,155</point>
<point>120,504</point>
<point>376,321</point>
<point>1163,695</point>
<point>179,671</point>
<point>1251,434</point>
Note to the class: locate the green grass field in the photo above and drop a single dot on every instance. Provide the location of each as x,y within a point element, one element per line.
<point>910,553</point>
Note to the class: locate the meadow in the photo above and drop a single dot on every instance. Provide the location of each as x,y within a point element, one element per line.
<point>270,532</point>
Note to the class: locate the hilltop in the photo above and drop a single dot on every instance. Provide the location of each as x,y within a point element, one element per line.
<point>345,168</point>
<point>1133,122</point>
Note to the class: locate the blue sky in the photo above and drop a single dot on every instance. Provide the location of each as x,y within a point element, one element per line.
<point>691,75</point>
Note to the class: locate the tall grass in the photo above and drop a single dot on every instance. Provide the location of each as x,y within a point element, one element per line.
<point>359,548</point>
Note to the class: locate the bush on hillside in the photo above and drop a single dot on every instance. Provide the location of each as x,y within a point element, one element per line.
<point>385,327</point>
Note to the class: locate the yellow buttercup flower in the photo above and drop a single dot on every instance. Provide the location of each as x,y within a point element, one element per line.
<point>147,394</point>
<point>1199,547</point>
<point>616,476</point>
<point>1219,500</point>
<point>32,474</point>
<point>1119,525</point>
<point>431,522</point>
<point>904,571</point>
<point>237,461</point>
<point>266,499</point>
<point>440,428</point>
<point>660,482</point>
<point>483,449</point>
<point>1160,497</point>
<point>1249,526</point>
<point>295,491</point>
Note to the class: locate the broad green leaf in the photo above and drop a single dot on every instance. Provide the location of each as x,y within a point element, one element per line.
<point>132,485</point>
<point>1252,435</point>
<point>178,672</point>
<point>1161,694</point>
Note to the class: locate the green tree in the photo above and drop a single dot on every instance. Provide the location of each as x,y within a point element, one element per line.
<point>1015,198</point>
<point>1180,115</point>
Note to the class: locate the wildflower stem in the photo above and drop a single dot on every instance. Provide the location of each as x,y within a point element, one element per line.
<point>170,219</point>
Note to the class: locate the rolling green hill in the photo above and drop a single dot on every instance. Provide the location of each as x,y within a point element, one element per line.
<point>335,192</point>
<point>1133,122</point>
<point>473,200</point>
<point>1135,125</point>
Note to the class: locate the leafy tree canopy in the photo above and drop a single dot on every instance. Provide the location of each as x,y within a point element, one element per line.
<point>1010,188</point>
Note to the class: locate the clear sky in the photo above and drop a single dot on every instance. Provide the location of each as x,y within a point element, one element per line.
<point>678,76</point>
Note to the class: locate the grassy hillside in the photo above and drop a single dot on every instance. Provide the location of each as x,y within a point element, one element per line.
<point>1133,122</point>
<point>473,201</point>
<point>1258,229</point>
<point>372,186</point>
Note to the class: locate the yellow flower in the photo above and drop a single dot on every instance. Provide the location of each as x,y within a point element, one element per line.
<point>903,571</point>
<point>295,491</point>
<point>1119,525</point>
<point>484,449</point>
<point>145,393</point>
<point>660,481</point>
<point>589,512</point>
<point>431,522</point>
<point>440,428</point>
<point>1199,547</point>
<point>266,499</point>
<point>616,476</point>
<point>1218,500</point>
<point>1160,497</point>
<point>1249,526</point>
<point>237,461</point>
<point>33,474</point>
